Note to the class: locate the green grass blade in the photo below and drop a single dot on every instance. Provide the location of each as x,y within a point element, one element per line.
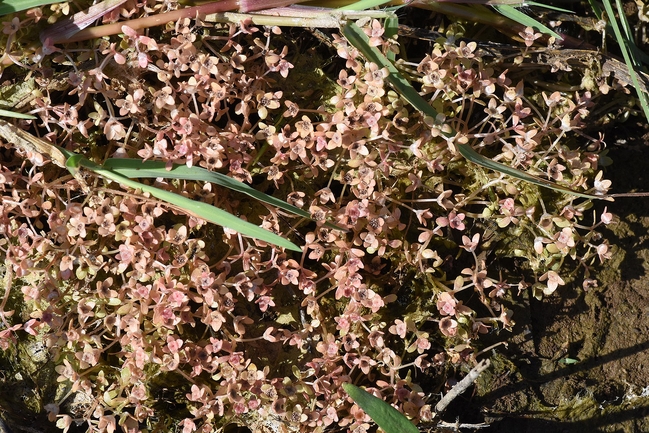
<point>391,26</point>
<point>594,5</point>
<point>638,55</point>
<point>627,54</point>
<point>624,25</point>
<point>384,415</point>
<point>73,162</point>
<point>554,8</point>
<point>7,113</point>
<point>11,6</point>
<point>471,155</point>
<point>361,5</point>
<point>136,168</point>
<point>360,41</point>
<point>525,20</point>
<point>201,210</point>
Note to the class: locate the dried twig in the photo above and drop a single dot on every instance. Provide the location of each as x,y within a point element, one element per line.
<point>458,425</point>
<point>462,385</point>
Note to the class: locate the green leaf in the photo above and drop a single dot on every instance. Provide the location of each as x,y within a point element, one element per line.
<point>384,415</point>
<point>202,210</point>
<point>7,113</point>
<point>473,156</point>
<point>554,8</point>
<point>360,41</point>
<point>525,20</point>
<point>73,162</point>
<point>391,26</point>
<point>136,168</point>
<point>626,46</point>
<point>362,5</point>
<point>11,6</point>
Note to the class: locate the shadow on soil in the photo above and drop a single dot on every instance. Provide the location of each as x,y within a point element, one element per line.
<point>578,360</point>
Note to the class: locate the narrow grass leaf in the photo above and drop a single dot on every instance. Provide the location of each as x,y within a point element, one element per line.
<point>11,6</point>
<point>7,113</point>
<point>391,26</point>
<point>362,5</point>
<point>525,20</point>
<point>471,155</point>
<point>624,24</point>
<point>554,8</point>
<point>197,208</point>
<point>597,10</point>
<point>136,168</point>
<point>384,415</point>
<point>639,56</point>
<point>629,59</point>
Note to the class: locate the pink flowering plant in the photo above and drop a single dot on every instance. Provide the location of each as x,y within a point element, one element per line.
<point>153,319</point>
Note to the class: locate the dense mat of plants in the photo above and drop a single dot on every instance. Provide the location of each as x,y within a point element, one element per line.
<point>148,318</point>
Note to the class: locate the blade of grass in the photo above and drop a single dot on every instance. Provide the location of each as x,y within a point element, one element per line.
<point>361,42</point>
<point>11,6</point>
<point>197,208</point>
<point>638,55</point>
<point>391,26</point>
<point>525,20</point>
<point>627,54</point>
<point>554,8</point>
<point>136,168</point>
<point>594,5</point>
<point>384,415</point>
<point>361,5</point>
<point>8,113</point>
<point>471,155</point>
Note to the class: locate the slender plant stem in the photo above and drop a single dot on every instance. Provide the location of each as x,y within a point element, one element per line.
<point>151,21</point>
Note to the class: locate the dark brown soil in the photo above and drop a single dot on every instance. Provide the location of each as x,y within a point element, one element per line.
<point>578,360</point>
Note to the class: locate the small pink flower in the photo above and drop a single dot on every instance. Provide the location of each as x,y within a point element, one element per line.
<point>470,244</point>
<point>11,27</point>
<point>365,363</point>
<point>448,326</point>
<point>265,302</point>
<point>188,425</point>
<point>423,343</point>
<point>30,325</point>
<point>375,33</point>
<point>399,328</point>
<point>446,304</point>
<point>554,281</point>
<point>174,344</point>
<point>603,252</point>
<point>456,221</point>
<point>606,217</point>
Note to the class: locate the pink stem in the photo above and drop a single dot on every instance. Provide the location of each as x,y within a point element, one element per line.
<point>151,21</point>
<point>161,19</point>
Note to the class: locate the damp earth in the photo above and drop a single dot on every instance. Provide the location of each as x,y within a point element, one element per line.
<point>578,360</point>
